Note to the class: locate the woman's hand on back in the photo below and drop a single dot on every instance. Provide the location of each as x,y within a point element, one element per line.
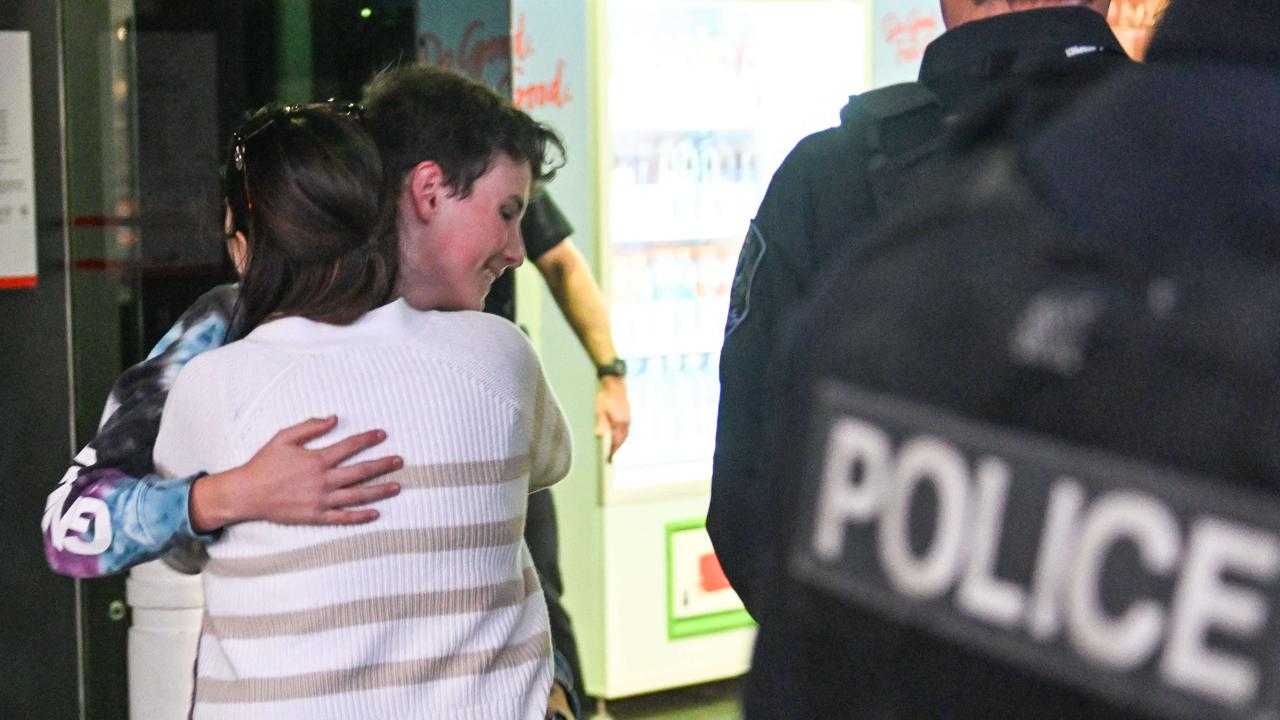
<point>289,484</point>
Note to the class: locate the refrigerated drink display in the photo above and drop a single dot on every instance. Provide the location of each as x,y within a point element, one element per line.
<point>705,98</point>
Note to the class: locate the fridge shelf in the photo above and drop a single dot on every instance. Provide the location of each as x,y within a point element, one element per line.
<point>632,479</point>
<point>679,241</point>
<point>708,353</point>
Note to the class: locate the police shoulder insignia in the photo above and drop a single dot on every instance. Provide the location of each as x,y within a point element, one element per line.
<point>753,249</point>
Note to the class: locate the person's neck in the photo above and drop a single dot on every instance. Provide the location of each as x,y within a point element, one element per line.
<point>958,12</point>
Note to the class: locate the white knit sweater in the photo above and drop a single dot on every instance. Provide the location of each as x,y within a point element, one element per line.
<point>432,611</point>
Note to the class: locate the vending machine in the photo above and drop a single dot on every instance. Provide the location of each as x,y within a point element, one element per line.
<point>675,114</point>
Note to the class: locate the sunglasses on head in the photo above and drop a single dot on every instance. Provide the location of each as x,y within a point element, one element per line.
<point>255,126</point>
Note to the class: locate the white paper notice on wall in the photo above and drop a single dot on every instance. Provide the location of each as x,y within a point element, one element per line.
<point>17,166</point>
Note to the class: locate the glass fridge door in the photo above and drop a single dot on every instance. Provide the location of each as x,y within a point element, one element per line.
<point>705,98</point>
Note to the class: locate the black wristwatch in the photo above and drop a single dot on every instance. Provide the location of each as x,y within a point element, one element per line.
<point>617,368</point>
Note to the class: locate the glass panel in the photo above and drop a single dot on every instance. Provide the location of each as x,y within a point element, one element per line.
<point>705,100</point>
<point>101,130</point>
<point>101,193</point>
<point>39,662</point>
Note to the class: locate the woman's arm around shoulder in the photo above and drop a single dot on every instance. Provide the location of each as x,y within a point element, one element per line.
<point>111,510</point>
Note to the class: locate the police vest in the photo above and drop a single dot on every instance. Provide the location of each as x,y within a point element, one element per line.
<point>1149,586</point>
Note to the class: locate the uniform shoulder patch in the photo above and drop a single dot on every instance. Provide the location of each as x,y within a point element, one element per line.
<point>753,249</point>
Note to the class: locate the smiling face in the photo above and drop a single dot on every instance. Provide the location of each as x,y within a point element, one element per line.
<point>459,246</point>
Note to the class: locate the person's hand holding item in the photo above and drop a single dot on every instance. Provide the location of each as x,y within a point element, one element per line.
<point>289,484</point>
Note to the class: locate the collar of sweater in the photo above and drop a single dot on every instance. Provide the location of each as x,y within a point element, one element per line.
<point>393,322</point>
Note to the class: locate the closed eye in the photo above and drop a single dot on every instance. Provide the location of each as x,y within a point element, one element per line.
<point>512,209</point>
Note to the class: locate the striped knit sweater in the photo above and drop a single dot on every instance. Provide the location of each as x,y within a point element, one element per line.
<point>432,611</point>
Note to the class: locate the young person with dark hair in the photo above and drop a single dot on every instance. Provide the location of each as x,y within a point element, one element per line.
<point>466,130</point>
<point>418,112</point>
<point>436,610</point>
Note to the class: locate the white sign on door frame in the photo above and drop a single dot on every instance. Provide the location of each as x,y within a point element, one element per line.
<point>17,165</point>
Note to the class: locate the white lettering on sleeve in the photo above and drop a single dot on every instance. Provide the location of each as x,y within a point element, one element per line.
<point>87,456</point>
<point>84,514</point>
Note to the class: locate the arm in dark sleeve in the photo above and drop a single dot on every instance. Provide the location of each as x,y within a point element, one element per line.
<point>766,287</point>
<point>544,226</point>
<point>111,511</point>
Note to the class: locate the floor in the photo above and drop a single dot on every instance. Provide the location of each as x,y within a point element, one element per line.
<point>713,701</point>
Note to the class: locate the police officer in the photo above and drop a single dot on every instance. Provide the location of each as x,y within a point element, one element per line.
<point>1106,341</point>
<point>824,197</point>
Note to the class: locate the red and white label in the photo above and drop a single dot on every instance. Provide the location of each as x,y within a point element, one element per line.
<point>17,167</point>
<point>698,584</point>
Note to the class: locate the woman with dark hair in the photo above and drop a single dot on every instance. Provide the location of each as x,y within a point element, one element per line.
<point>435,610</point>
<point>323,243</point>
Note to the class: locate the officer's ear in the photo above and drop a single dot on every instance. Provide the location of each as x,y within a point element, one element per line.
<point>424,189</point>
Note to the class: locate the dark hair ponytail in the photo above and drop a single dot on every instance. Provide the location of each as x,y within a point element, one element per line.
<point>304,186</point>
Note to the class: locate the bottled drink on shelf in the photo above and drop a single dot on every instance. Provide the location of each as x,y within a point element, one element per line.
<point>685,183</point>
<point>639,441</point>
<point>665,271</point>
<point>685,310</point>
<point>632,292</point>
<point>712,294</point>
<point>708,207</point>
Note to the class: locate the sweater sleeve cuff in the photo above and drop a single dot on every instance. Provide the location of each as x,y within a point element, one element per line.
<point>182,497</point>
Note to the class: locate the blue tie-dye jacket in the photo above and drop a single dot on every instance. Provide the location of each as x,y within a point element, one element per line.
<point>111,511</point>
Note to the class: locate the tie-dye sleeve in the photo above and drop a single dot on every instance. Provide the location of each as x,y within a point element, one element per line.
<point>111,511</point>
